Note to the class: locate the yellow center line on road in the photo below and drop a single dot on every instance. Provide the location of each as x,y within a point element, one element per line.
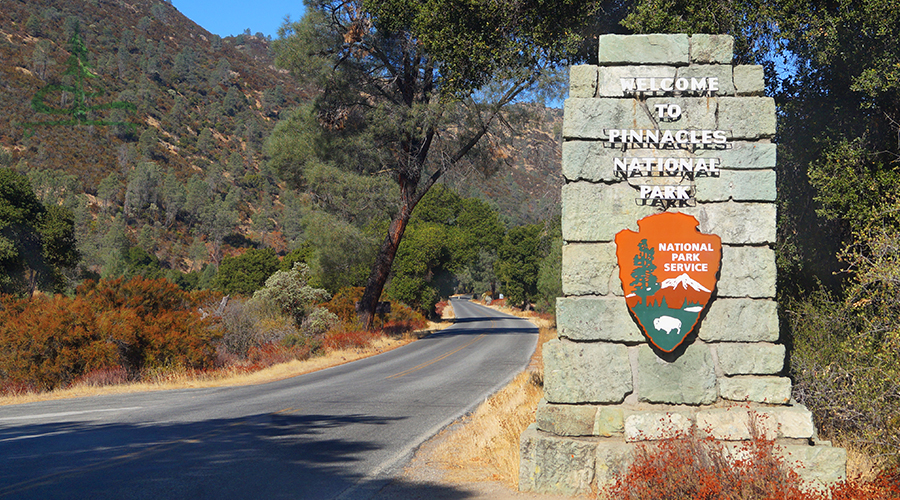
<point>435,360</point>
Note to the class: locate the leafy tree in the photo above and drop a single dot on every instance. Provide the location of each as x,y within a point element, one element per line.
<point>519,262</point>
<point>142,190</point>
<point>549,283</point>
<point>291,292</point>
<point>34,26</point>
<point>246,273</point>
<point>174,196</point>
<point>414,77</point>
<point>36,242</point>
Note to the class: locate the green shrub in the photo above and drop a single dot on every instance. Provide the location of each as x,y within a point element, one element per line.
<point>846,355</point>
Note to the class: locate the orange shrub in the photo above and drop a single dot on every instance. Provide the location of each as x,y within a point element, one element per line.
<point>47,342</point>
<point>885,486</point>
<point>153,323</point>
<point>405,316</point>
<point>343,304</point>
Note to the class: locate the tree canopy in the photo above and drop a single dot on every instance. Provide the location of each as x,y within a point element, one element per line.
<point>417,87</point>
<point>36,243</point>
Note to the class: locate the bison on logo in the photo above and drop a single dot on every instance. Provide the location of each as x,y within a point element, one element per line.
<point>668,271</point>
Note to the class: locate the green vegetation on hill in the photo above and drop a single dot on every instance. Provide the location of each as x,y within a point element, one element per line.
<point>188,182</point>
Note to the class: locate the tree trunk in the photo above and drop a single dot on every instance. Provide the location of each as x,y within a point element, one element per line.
<point>382,268</point>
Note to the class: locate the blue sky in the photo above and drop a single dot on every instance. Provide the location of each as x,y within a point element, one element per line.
<point>232,17</point>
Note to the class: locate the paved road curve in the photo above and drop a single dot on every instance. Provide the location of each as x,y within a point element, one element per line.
<point>339,433</point>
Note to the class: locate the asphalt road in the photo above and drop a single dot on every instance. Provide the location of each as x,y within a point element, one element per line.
<point>343,432</point>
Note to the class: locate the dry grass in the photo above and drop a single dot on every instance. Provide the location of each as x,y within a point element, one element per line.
<point>484,446</point>
<point>228,376</point>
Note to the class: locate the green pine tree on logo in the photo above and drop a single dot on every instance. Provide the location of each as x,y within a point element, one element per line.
<point>644,281</point>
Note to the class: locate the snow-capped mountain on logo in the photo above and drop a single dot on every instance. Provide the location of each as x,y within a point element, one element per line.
<point>685,281</point>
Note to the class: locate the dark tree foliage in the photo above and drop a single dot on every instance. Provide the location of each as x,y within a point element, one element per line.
<point>424,82</point>
<point>36,243</point>
<point>520,259</point>
<point>246,273</point>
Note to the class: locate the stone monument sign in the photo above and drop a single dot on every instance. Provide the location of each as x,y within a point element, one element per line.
<point>669,321</point>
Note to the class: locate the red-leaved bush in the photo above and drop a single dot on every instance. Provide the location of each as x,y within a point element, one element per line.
<point>700,468</point>
<point>347,339</point>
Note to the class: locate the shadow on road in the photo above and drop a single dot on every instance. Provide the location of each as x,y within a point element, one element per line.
<point>270,456</point>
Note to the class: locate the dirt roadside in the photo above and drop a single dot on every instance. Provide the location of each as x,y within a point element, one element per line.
<point>424,478</point>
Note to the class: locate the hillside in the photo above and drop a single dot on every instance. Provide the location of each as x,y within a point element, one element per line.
<point>186,84</point>
<point>187,181</point>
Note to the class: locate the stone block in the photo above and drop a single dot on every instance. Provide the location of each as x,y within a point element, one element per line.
<point>596,212</point>
<point>583,80</point>
<point>735,424</point>
<point>653,426</point>
<point>772,390</point>
<point>586,268</point>
<point>754,358</point>
<point>586,372</point>
<point>742,155</point>
<point>737,185</point>
<point>609,82</point>
<point>712,49</point>
<point>722,72</point>
<point>793,422</point>
<point>816,464</point>
<point>612,460</point>
<point>740,320</point>
<point>747,272</point>
<point>644,49</point>
<point>566,420</point>
<point>590,118</point>
<point>736,223</point>
<point>596,318</point>
<point>527,443</point>
<point>749,80</point>
<point>559,465</point>
<point>689,379</point>
<point>747,117</point>
<point>591,161</point>
<point>609,421</point>
<point>696,113</point>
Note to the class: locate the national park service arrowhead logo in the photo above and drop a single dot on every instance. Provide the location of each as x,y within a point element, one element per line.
<point>668,271</point>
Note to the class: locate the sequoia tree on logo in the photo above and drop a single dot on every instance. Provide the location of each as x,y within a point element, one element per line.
<point>645,283</point>
<point>668,271</point>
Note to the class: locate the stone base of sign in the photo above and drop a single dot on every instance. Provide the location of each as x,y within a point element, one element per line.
<point>577,449</point>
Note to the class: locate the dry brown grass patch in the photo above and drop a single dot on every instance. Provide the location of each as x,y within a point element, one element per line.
<point>484,446</point>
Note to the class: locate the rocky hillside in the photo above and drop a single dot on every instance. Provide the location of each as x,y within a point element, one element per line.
<point>168,154</point>
<point>202,98</point>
